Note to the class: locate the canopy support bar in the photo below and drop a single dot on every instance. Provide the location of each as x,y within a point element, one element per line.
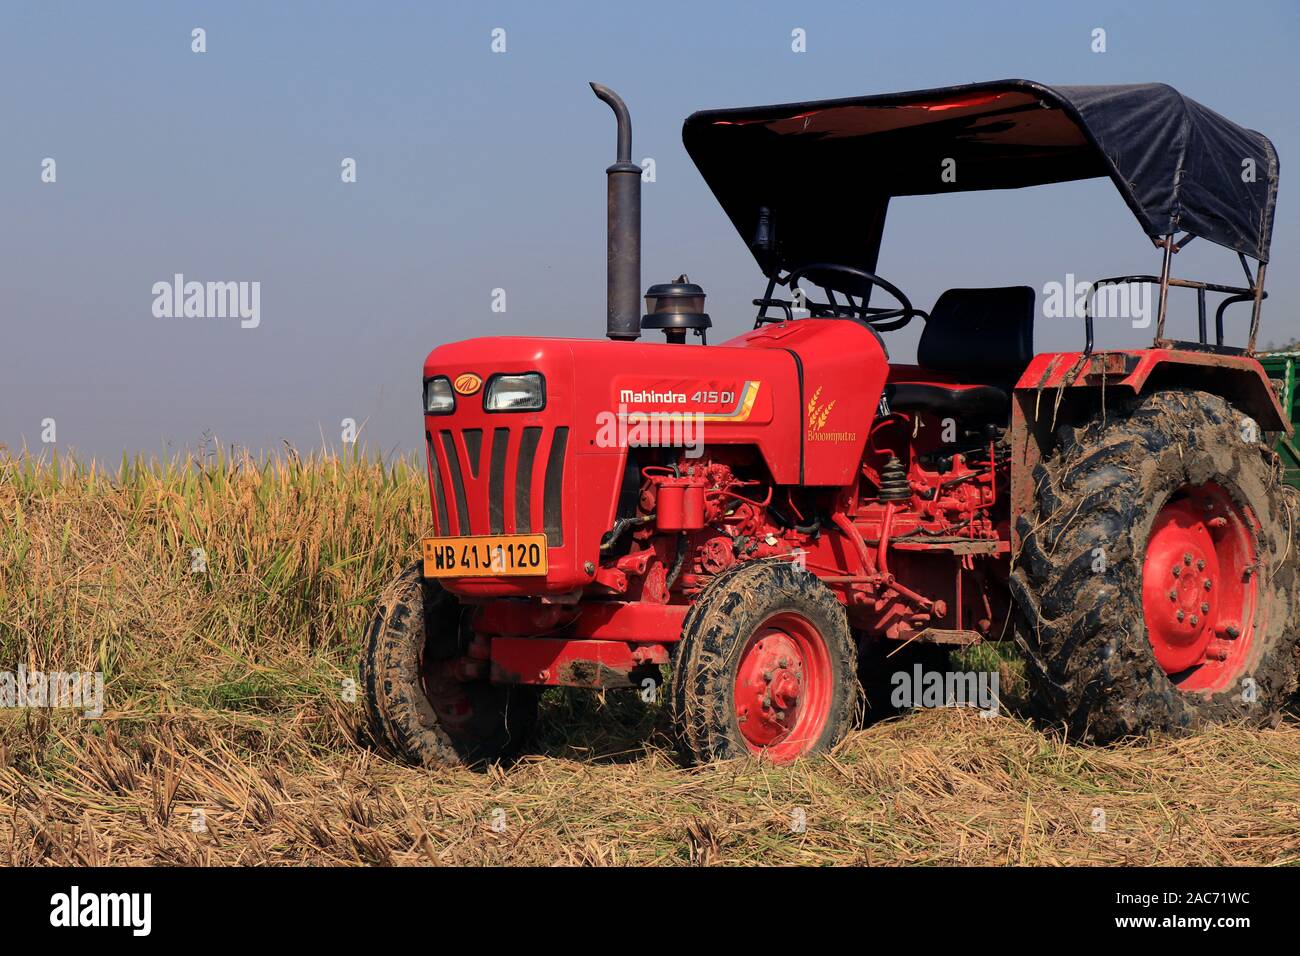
<point>1259,302</point>
<point>1168,243</point>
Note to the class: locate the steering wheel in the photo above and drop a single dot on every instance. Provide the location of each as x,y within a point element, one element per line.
<point>882,320</point>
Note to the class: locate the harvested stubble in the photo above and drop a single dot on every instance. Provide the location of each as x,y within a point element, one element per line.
<point>225,694</point>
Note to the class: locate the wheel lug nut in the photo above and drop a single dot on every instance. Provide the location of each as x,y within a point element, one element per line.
<point>1187,558</point>
<point>1180,616</point>
<point>1173,594</point>
<point>1209,585</point>
<point>1200,565</point>
<point>1177,570</point>
<point>767,676</point>
<point>1194,620</point>
<point>784,662</point>
<point>1205,607</point>
<point>767,703</point>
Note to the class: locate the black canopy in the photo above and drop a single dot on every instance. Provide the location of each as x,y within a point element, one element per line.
<point>825,171</point>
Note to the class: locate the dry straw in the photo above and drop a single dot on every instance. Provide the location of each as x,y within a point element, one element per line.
<point>229,736</point>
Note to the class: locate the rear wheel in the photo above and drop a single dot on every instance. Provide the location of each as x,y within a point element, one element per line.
<point>1153,585</point>
<point>766,666</point>
<point>418,702</point>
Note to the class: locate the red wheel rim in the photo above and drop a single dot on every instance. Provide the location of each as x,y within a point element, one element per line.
<point>784,687</point>
<point>1199,588</point>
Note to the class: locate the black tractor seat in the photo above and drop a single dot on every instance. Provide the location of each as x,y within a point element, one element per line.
<point>982,335</point>
<point>984,338</point>
<point>964,402</point>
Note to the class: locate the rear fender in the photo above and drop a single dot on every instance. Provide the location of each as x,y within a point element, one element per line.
<point>1059,386</point>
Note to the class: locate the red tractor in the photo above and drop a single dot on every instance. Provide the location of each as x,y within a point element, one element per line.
<point>772,517</point>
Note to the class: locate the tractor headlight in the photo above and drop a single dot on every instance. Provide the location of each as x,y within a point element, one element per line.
<point>438,397</point>
<point>515,393</point>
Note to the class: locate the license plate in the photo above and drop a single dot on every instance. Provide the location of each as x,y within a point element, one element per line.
<point>484,555</point>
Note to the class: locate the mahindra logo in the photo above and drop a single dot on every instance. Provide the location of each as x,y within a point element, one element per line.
<point>467,383</point>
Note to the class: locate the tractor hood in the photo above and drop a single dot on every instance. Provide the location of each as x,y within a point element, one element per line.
<point>811,182</point>
<point>802,395</point>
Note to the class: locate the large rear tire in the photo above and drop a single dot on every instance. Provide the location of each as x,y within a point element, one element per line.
<point>1153,587</point>
<point>416,704</point>
<point>766,667</point>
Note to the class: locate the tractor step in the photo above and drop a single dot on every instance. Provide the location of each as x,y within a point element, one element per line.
<point>937,635</point>
<point>951,545</point>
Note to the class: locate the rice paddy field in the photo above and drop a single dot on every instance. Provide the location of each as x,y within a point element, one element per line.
<point>223,598</point>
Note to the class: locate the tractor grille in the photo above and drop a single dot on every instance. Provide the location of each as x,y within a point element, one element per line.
<point>499,481</point>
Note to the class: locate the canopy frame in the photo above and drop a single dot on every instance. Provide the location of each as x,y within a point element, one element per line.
<point>1173,161</point>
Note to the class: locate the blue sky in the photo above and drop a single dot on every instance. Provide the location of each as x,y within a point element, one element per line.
<point>479,170</point>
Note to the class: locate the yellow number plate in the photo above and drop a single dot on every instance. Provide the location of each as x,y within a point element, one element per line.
<point>484,555</point>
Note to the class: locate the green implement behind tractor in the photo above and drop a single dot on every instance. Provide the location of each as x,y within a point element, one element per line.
<point>1282,368</point>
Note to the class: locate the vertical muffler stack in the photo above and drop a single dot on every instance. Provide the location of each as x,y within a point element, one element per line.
<point>623,307</point>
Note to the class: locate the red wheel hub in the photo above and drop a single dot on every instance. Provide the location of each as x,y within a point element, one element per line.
<point>783,687</point>
<point>1199,588</point>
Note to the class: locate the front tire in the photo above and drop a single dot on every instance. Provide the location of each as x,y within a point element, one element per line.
<point>1152,589</point>
<point>766,667</point>
<point>417,705</point>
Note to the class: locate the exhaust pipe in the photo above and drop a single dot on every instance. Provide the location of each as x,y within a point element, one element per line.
<point>623,267</point>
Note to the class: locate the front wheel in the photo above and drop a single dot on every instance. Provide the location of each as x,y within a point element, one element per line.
<point>1155,588</point>
<point>766,667</point>
<point>419,703</point>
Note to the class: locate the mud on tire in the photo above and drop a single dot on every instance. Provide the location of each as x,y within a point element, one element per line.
<point>415,706</point>
<point>766,665</point>
<point>1116,502</point>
